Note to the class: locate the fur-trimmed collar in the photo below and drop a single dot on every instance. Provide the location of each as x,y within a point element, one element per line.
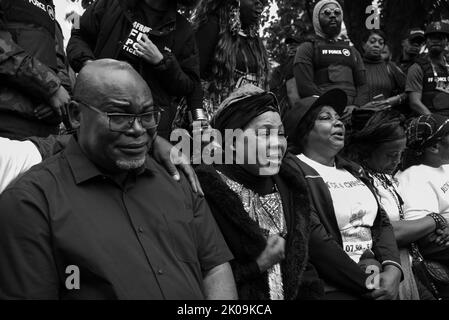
<point>293,190</point>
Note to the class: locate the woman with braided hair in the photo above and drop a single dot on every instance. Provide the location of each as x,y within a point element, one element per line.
<point>231,51</point>
<point>378,146</point>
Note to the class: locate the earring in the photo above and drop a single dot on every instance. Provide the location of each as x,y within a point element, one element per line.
<point>234,19</point>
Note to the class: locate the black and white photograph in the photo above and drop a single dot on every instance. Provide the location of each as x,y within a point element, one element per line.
<point>224,155</point>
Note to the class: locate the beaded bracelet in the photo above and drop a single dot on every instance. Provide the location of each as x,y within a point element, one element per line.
<point>440,221</point>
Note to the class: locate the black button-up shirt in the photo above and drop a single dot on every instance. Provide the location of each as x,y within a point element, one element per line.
<point>150,238</point>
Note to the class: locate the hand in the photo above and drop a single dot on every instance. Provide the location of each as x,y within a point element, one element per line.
<point>59,99</point>
<point>442,237</point>
<point>273,253</point>
<point>349,109</point>
<point>166,154</point>
<point>389,284</point>
<point>147,50</point>
<point>43,111</point>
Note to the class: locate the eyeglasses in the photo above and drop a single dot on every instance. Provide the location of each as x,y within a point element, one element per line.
<point>328,12</point>
<point>122,122</point>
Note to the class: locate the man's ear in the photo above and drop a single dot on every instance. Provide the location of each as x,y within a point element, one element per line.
<point>74,114</point>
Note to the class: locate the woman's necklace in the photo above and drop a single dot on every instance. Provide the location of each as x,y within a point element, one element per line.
<point>388,185</point>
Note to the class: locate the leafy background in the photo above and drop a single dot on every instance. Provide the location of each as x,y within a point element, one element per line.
<point>293,17</point>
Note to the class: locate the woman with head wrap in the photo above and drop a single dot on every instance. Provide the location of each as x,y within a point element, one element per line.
<point>231,51</point>
<point>326,62</point>
<point>261,207</point>
<point>377,144</point>
<point>424,185</point>
<point>349,225</point>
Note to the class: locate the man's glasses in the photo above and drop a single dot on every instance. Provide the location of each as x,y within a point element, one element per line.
<point>328,12</point>
<point>122,122</point>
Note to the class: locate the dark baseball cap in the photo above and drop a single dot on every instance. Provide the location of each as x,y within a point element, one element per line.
<point>335,98</point>
<point>415,34</point>
<point>437,27</point>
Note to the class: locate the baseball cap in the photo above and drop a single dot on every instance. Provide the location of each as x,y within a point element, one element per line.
<point>335,98</point>
<point>415,34</point>
<point>437,27</point>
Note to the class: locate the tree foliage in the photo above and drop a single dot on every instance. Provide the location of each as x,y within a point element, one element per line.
<point>294,18</point>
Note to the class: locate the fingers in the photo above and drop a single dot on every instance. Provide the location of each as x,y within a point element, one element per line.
<point>198,186</point>
<point>57,110</point>
<point>43,111</point>
<point>140,48</point>
<point>145,38</point>
<point>191,176</point>
<point>170,165</point>
<point>376,294</point>
<point>277,244</point>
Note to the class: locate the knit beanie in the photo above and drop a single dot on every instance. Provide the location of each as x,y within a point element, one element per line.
<point>316,16</point>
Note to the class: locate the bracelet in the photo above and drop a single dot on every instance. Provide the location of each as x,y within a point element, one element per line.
<point>199,115</point>
<point>440,221</point>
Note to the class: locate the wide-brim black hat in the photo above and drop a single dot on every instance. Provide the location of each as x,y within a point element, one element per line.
<point>335,98</point>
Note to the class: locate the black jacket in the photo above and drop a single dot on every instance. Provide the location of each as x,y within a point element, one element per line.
<point>32,59</point>
<point>104,27</point>
<point>326,246</point>
<point>246,241</point>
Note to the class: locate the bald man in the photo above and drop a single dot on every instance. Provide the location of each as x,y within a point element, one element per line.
<point>103,220</point>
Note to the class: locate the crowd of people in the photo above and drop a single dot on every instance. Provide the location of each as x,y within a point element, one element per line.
<point>350,200</point>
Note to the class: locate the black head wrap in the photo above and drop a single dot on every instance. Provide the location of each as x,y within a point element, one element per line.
<point>237,115</point>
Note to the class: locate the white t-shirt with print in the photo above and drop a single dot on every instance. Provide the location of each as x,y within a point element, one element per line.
<point>16,157</point>
<point>354,204</point>
<point>386,198</point>
<point>424,190</point>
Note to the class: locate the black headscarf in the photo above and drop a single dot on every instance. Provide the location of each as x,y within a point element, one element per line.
<point>239,114</point>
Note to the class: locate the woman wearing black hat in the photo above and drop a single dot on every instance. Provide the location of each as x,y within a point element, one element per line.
<point>264,214</point>
<point>348,221</point>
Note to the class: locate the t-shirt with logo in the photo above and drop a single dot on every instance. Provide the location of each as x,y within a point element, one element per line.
<point>424,190</point>
<point>354,205</point>
<point>145,17</point>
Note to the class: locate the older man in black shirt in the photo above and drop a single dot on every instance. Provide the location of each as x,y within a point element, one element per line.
<point>107,210</point>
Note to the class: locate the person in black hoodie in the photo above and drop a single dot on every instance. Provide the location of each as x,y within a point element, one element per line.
<point>262,209</point>
<point>156,40</point>
<point>347,220</point>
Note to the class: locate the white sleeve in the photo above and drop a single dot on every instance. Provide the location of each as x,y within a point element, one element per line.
<point>418,195</point>
<point>16,157</point>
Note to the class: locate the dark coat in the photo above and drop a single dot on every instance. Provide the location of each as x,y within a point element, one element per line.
<point>326,246</point>
<point>246,241</point>
<point>31,62</point>
<point>104,27</point>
